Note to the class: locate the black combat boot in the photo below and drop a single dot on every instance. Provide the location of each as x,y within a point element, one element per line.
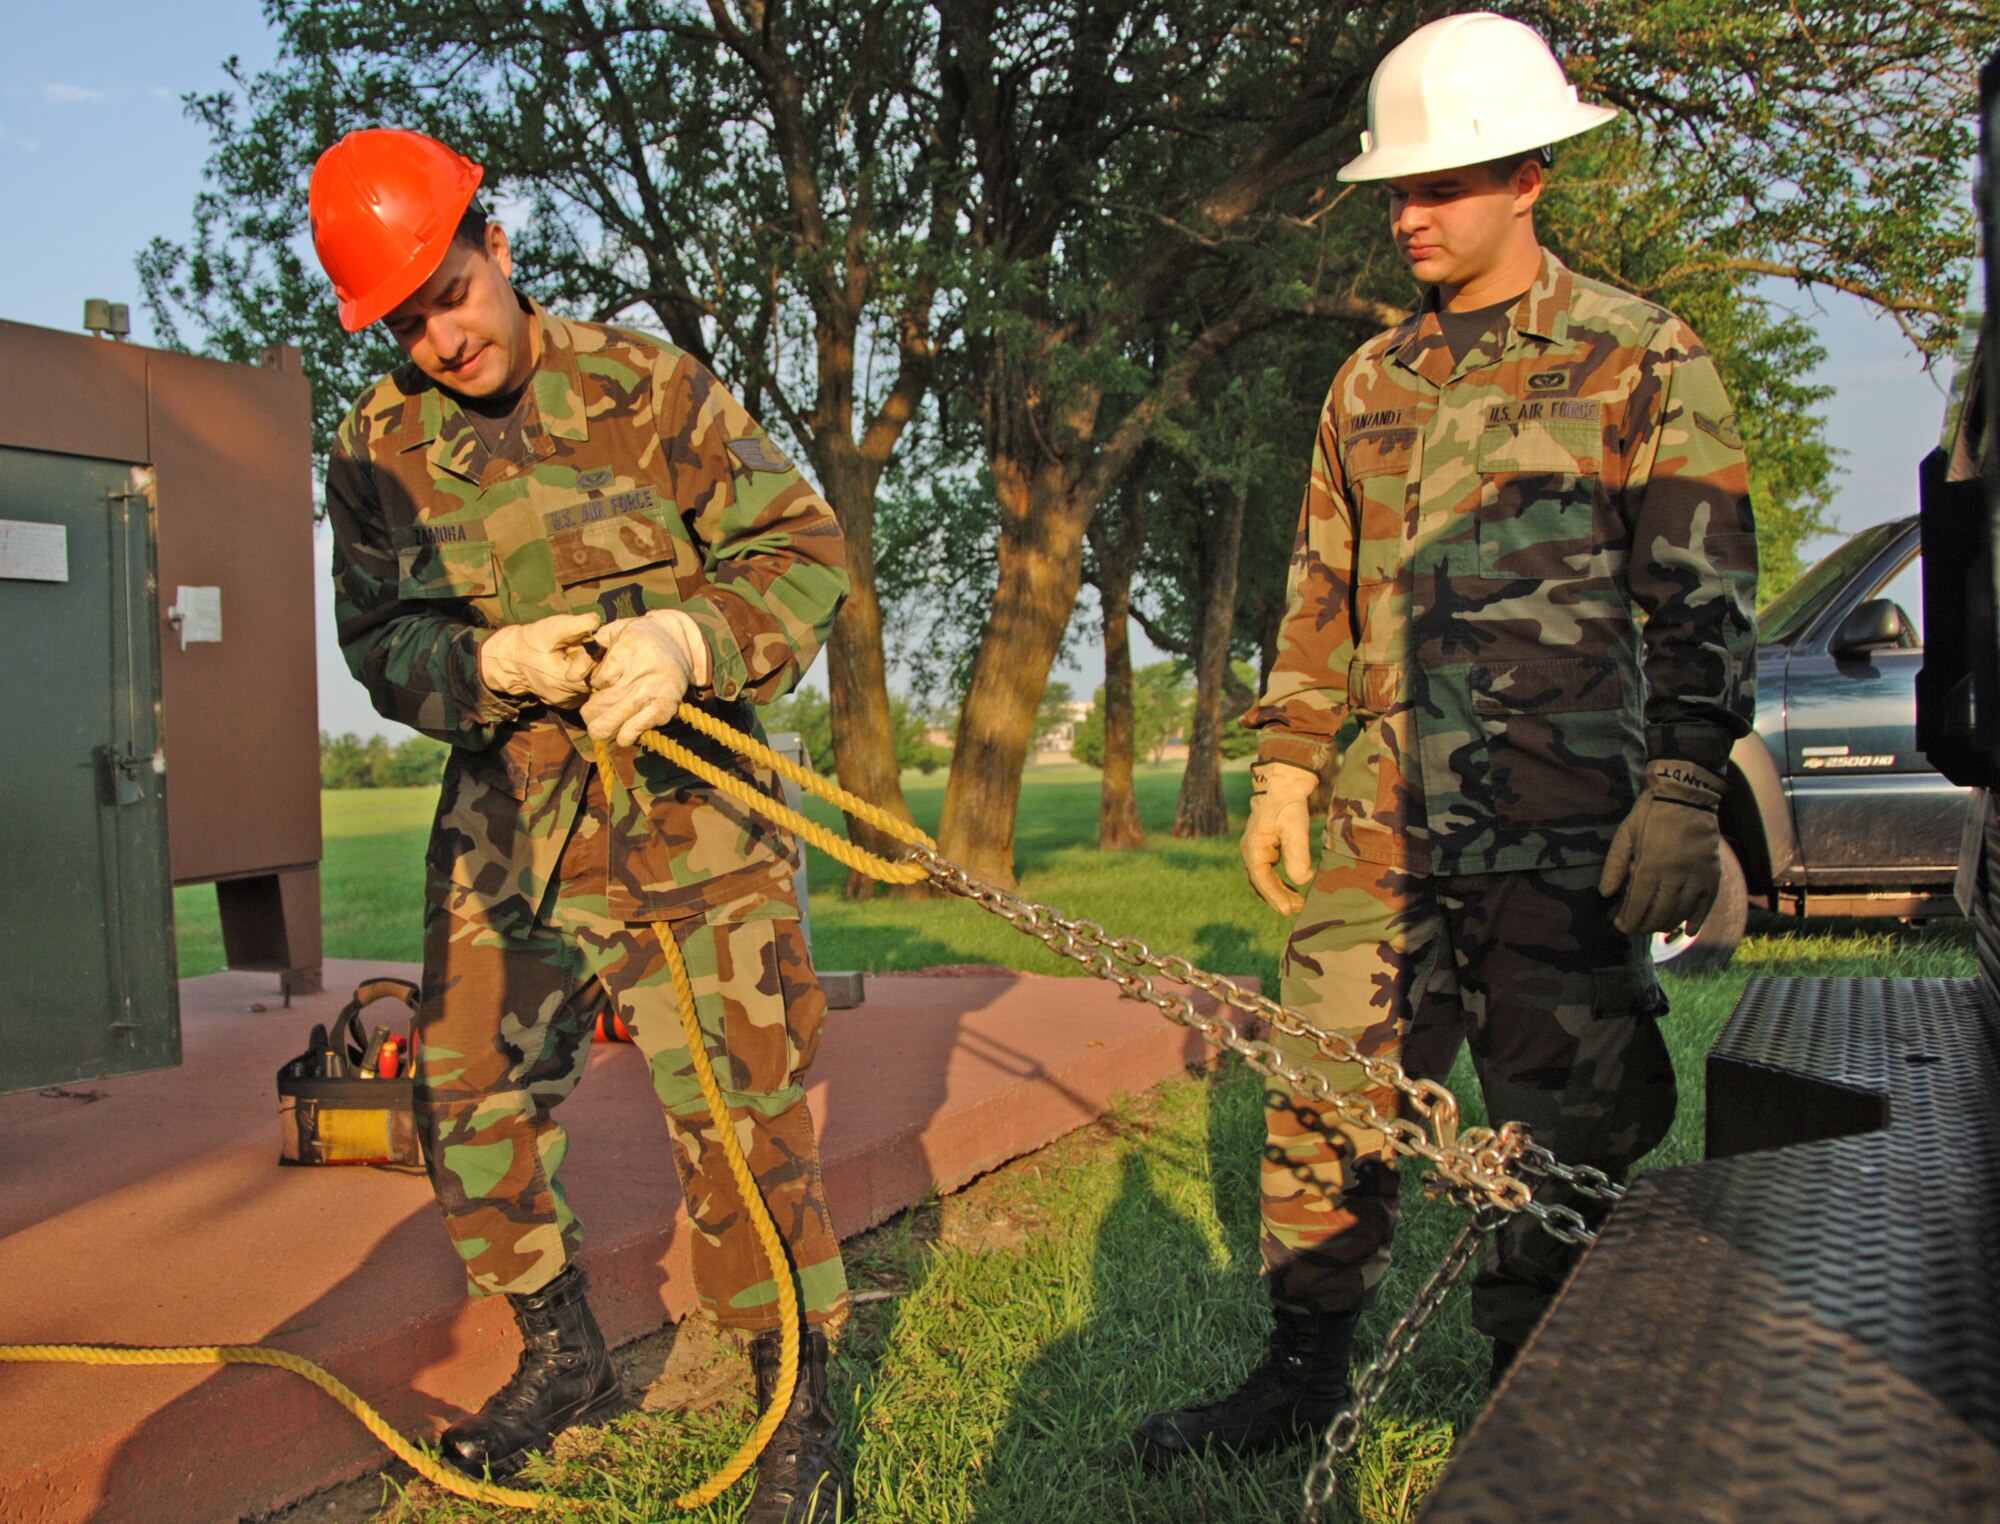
<point>1294,1393</point>
<point>565,1377</point>
<point>799,1476</point>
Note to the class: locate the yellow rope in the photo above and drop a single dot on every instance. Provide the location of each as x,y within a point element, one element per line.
<point>739,1169</point>
<point>829,842</point>
<point>425,1462</point>
<point>785,767</point>
<point>767,1239</point>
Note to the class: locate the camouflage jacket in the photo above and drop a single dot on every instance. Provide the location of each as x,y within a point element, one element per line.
<point>1516,578</point>
<point>636,483</point>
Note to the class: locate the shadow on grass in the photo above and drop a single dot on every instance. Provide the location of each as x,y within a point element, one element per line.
<point>1226,947</point>
<point>1163,1315</point>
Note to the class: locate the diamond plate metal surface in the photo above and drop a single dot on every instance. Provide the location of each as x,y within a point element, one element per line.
<point>1797,1062</point>
<point>1806,1333</point>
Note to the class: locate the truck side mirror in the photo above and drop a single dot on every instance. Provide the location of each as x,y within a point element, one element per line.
<point>1872,626</point>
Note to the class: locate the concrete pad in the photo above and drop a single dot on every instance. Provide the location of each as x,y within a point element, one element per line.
<point>151,1210</point>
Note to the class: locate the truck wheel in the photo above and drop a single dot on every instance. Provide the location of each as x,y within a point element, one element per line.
<point>1712,946</point>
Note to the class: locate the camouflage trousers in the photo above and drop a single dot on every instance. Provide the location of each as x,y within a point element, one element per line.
<point>504,1031</point>
<point>1560,1009</point>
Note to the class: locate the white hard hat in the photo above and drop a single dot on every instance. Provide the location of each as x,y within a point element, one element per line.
<point>1464,90</point>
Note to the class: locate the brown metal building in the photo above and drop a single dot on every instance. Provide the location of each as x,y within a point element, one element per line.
<point>160,716</point>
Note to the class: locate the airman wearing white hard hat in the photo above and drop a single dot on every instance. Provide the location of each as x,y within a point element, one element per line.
<point>1524,776</point>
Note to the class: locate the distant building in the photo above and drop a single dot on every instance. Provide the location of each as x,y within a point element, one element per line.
<point>1057,743</point>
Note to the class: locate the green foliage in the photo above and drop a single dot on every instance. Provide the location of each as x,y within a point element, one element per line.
<point>910,723</point>
<point>1161,698</point>
<point>731,186</point>
<point>1052,714</point>
<point>1086,226</point>
<point>348,761</point>
<point>1609,213</point>
<point>1087,746</point>
<point>808,712</point>
<point>1238,740</point>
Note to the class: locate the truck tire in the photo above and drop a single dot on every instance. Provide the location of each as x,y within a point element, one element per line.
<point>1712,946</point>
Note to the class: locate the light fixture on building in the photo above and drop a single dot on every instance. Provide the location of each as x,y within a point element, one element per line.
<point>107,318</point>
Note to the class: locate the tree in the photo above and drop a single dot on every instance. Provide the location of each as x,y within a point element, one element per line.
<point>769,181</point>
<point>1120,159</point>
<point>348,761</point>
<point>914,747</point>
<point>1128,170</point>
<point>809,715</point>
<point>1064,218</point>
<point>1159,714</point>
<point>416,761</point>
<point>1052,714</point>
<point>1115,543</point>
<point>1257,425</point>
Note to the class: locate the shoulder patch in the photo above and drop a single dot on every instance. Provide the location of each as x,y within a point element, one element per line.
<point>1723,428</point>
<point>757,454</point>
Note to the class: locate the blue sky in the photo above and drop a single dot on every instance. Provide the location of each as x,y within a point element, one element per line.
<point>97,157</point>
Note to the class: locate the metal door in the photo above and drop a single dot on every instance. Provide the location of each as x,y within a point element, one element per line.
<point>87,978</point>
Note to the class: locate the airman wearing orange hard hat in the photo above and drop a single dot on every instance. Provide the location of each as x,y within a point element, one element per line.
<point>525,493</point>
<point>1524,776</point>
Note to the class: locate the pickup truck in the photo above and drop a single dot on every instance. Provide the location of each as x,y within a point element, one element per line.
<point>1831,809</point>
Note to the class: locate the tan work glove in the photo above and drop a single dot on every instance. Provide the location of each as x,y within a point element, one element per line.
<point>1668,852</point>
<point>1280,828</point>
<point>543,659</point>
<point>649,664</point>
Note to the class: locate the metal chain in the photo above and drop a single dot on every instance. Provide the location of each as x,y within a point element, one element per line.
<point>1580,1178</point>
<point>1345,1431</point>
<point>1479,1169</point>
<point>1477,1166</point>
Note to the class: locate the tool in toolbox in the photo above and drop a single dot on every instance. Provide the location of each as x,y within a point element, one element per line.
<point>347,1098</point>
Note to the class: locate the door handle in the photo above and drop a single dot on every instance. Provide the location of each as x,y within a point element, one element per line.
<point>123,773</point>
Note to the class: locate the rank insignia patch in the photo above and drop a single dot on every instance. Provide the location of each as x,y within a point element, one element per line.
<point>759,455</point>
<point>1723,428</point>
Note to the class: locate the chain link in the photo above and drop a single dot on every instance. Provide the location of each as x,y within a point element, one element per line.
<point>1477,1162</point>
<point>1479,1169</point>
<point>1580,1178</point>
<point>1345,1431</point>
<point>1477,1165</point>
<point>1482,1170</point>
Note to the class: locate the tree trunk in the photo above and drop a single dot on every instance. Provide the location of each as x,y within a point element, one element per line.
<point>1118,827</point>
<point>864,740</point>
<point>1201,811</point>
<point>1040,570</point>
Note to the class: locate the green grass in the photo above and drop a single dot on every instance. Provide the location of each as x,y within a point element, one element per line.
<point>1001,1380</point>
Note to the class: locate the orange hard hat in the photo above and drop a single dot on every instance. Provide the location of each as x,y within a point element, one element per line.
<point>385,202</point>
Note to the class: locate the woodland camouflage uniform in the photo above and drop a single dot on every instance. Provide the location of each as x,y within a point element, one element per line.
<point>635,483</point>
<point>1518,576</point>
